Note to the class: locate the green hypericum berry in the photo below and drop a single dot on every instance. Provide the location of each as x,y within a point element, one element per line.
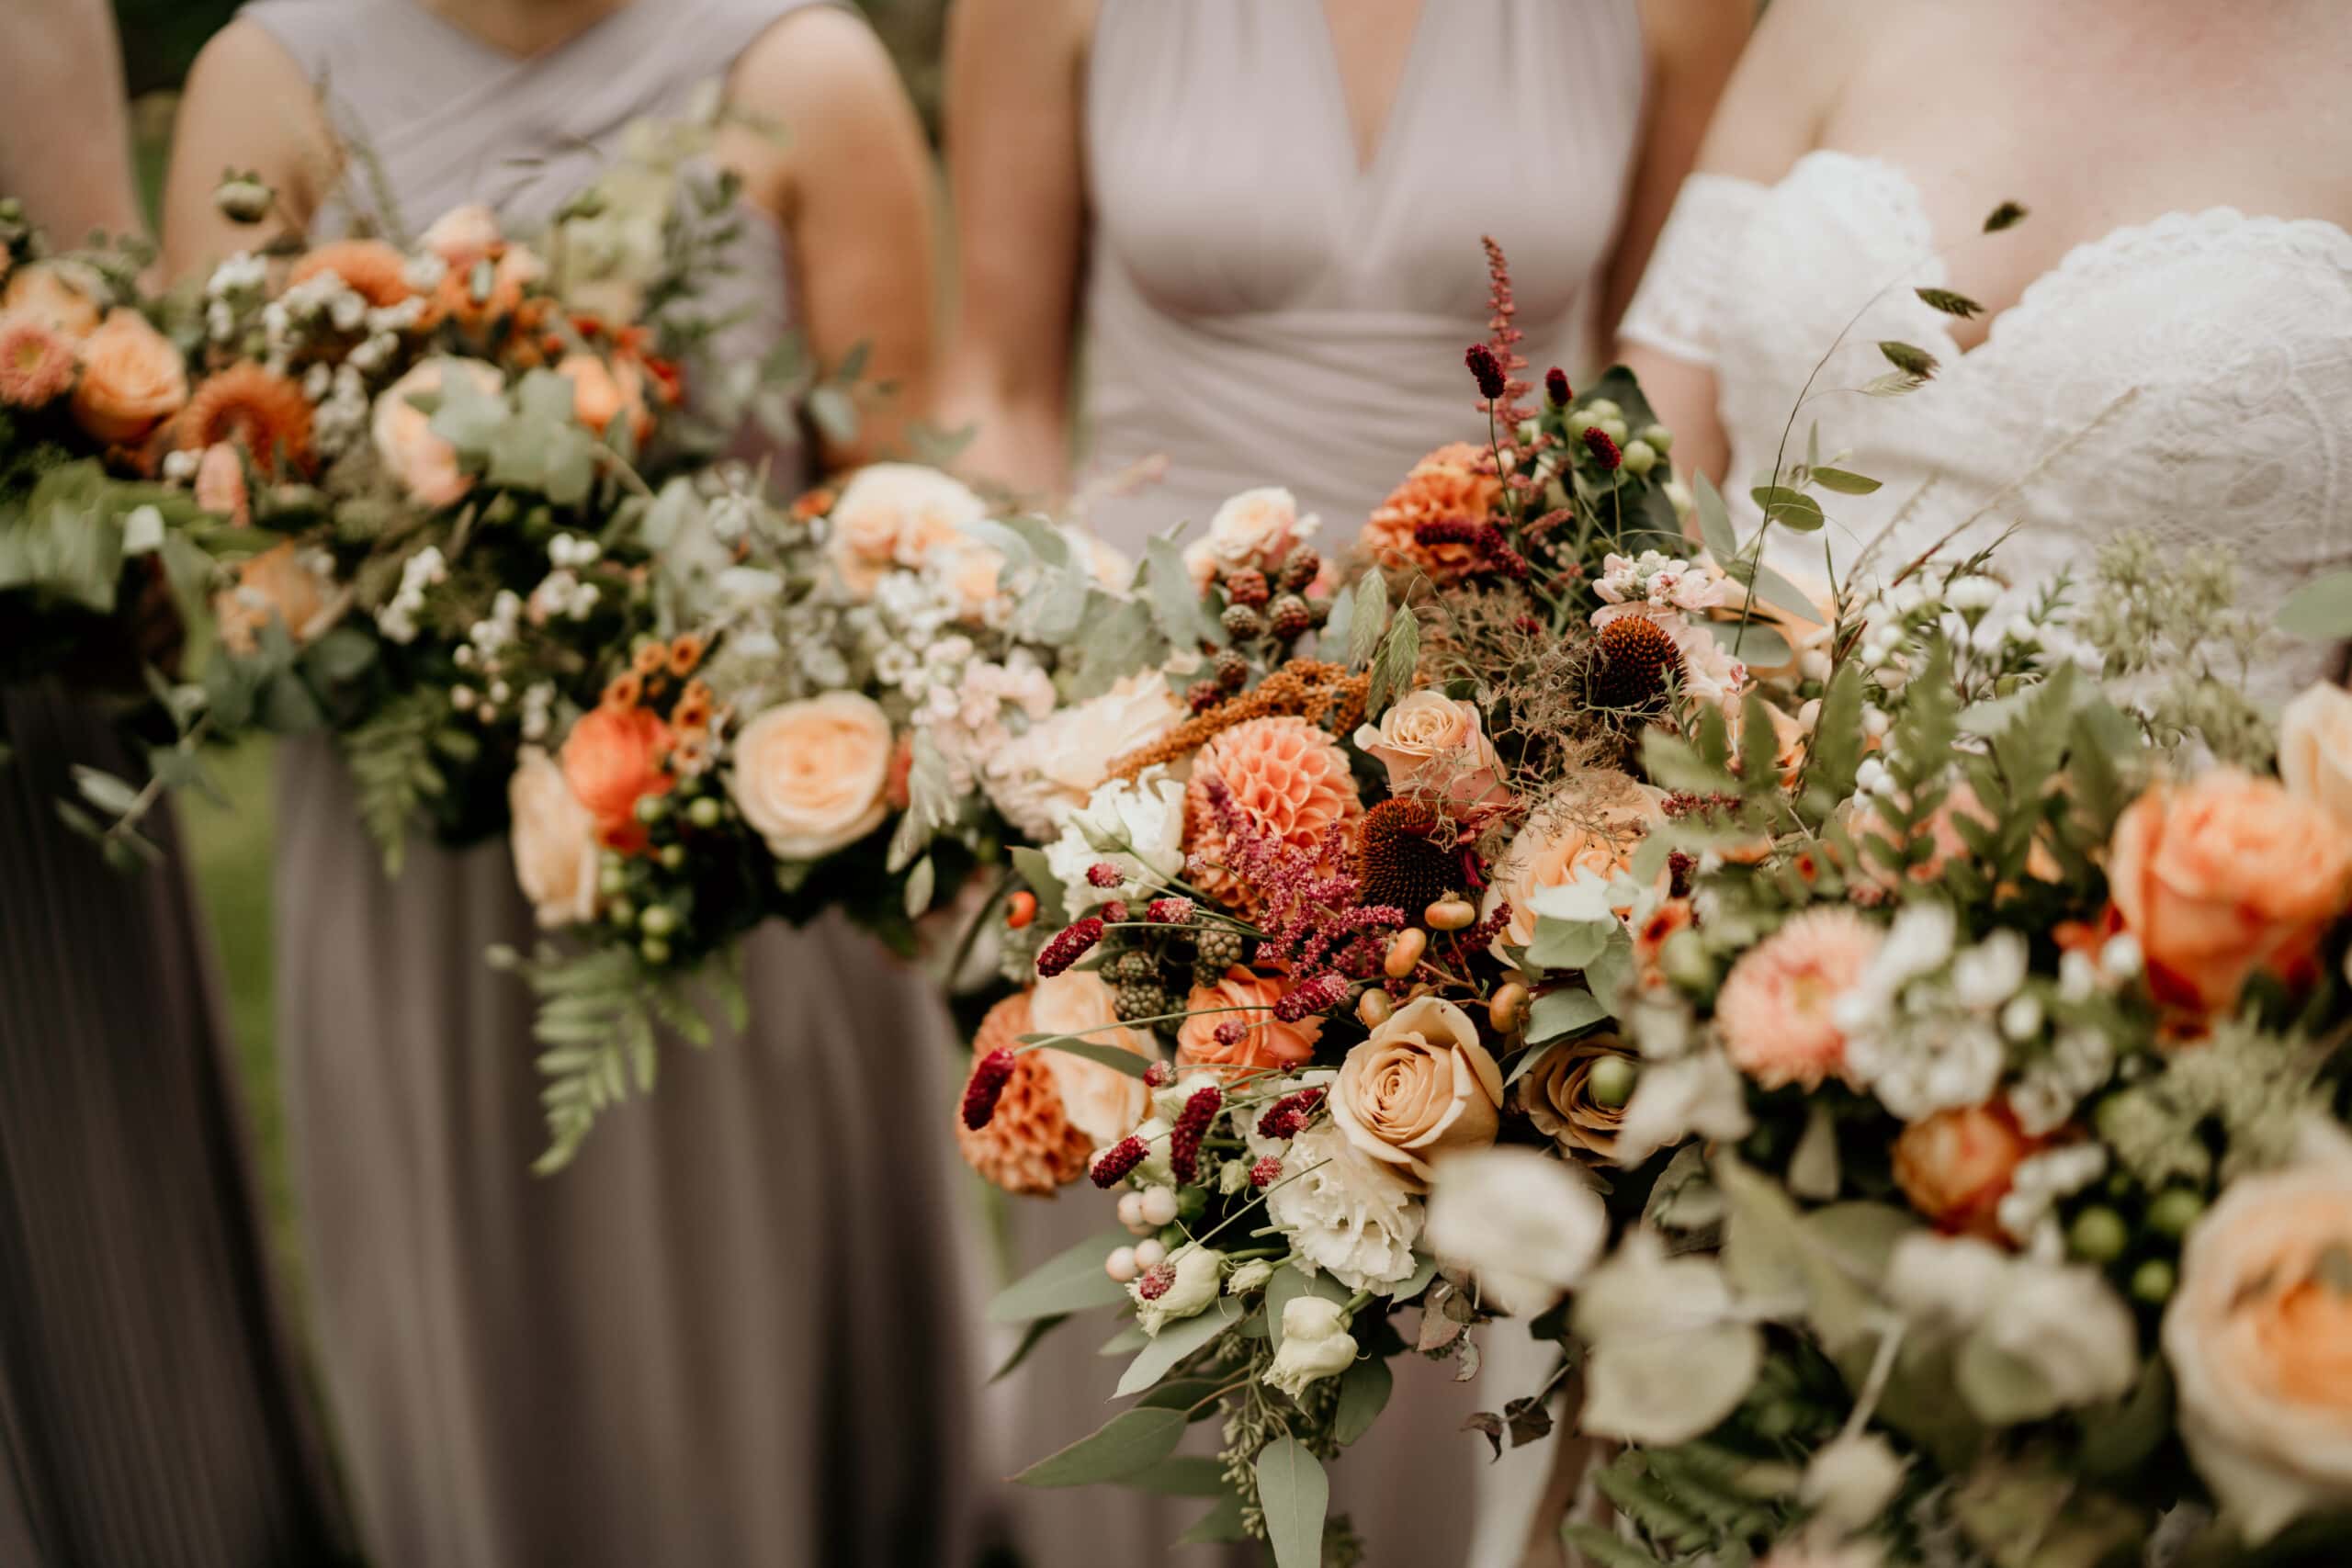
<point>1638,457</point>
<point>1614,427</point>
<point>705,812</point>
<point>651,808</point>
<point>2175,1211</point>
<point>673,856</point>
<point>613,881</point>
<point>2099,1234</point>
<point>1600,409</point>
<point>1657,436</point>
<point>621,912</point>
<point>1611,1081</point>
<point>654,950</point>
<point>2153,1282</point>
<point>659,919</point>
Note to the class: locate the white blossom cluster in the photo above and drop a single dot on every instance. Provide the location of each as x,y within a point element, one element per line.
<point>423,570</point>
<point>1922,1025</point>
<point>562,595</point>
<point>2028,1212</point>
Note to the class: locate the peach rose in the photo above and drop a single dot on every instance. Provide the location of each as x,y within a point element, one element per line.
<point>1433,744</point>
<point>1420,1085</point>
<point>896,515</point>
<point>2315,749</point>
<point>1100,1100</point>
<point>48,293</point>
<point>612,758</point>
<point>284,583</point>
<point>1955,1167</point>
<point>1256,1038</point>
<point>2259,1338</point>
<point>1595,825</point>
<point>1255,528</point>
<point>603,392</point>
<point>811,776</point>
<point>553,840</point>
<point>1557,1096</point>
<point>515,270</point>
<point>1029,1146</point>
<point>132,379</point>
<point>1777,1011</point>
<point>373,270</point>
<point>425,464</point>
<point>2224,877</point>
<point>463,235</point>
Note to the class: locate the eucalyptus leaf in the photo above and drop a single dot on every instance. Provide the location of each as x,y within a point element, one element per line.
<point>103,790</point>
<point>1070,1282</point>
<point>1363,1394</point>
<point>1714,520</point>
<point>1219,1525</point>
<point>1563,1011</point>
<point>1294,1494</point>
<point>1753,642</point>
<point>1176,602</point>
<point>1031,1337</point>
<point>1128,1444</point>
<point>1181,1476</point>
<point>1844,482</point>
<point>1786,508</point>
<point>1175,1342</point>
<point>1116,1057</point>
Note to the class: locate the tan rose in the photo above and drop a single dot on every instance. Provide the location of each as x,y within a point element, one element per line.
<point>1256,1038</point>
<point>1255,528</point>
<point>49,293</point>
<point>1595,826</point>
<point>284,583</point>
<point>2224,877</point>
<point>811,777</point>
<point>423,464</point>
<point>554,842</point>
<point>1556,1093</point>
<point>2315,749</point>
<point>2259,1338</point>
<point>1420,1085</point>
<point>612,758</point>
<point>1955,1167</point>
<point>1100,1100</point>
<point>1433,744</point>
<point>132,379</point>
<point>603,392</point>
<point>896,515</point>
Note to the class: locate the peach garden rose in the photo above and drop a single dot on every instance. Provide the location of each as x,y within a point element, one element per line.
<point>1100,1100</point>
<point>1595,826</point>
<point>1255,528</point>
<point>1956,1166</point>
<point>424,463</point>
<point>896,515</point>
<point>47,292</point>
<point>1433,744</point>
<point>553,840</point>
<point>812,776</point>
<point>132,379</point>
<point>2315,749</point>
<point>1418,1087</point>
<point>1253,1038</point>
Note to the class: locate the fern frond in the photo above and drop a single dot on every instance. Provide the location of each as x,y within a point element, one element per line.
<point>392,759</point>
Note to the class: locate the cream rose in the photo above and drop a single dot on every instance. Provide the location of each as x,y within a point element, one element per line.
<point>1433,744</point>
<point>896,515</point>
<point>1595,826</point>
<point>2315,749</point>
<point>1257,529</point>
<point>425,464</point>
<point>1420,1085</point>
<point>1100,1100</point>
<point>1054,767</point>
<point>554,842</point>
<point>810,777</point>
<point>2259,1335</point>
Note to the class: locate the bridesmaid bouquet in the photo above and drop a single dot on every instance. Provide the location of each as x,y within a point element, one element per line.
<point>1896,1052</point>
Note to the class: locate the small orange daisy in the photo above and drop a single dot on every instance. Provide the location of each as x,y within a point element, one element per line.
<point>685,652</point>
<point>624,691</point>
<point>650,657</point>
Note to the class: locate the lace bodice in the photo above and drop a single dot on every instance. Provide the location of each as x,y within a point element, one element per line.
<point>2190,377</point>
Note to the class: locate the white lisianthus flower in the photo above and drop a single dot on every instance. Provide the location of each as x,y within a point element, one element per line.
<point>1341,1210</point>
<point>1053,768</point>
<point>2068,1331</point>
<point>1248,1277</point>
<point>1193,1279</point>
<point>1521,1221</point>
<point>1137,825</point>
<point>1315,1345</point>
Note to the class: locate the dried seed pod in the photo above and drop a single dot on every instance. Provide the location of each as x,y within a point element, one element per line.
<point>1405,949</point>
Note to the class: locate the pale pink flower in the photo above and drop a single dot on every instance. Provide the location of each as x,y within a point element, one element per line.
<point>36,362</point>
<point>1776,1008</point>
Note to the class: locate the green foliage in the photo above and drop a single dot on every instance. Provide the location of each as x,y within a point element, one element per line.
<point>1070,1282</point>
<point>1293,1494</point>
<point>1128,1445</point>
<point>1399,657</point>
<point>392,758</point>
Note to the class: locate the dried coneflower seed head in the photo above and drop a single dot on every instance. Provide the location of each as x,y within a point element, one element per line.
<point>1398,859</point>
<point>1631,664</point>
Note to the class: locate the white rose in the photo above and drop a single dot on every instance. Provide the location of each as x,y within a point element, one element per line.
<point>1135,825</point>
<point>810,776</point>
<point>1254,528</point>
<point>896,515</point>
<point>1100,1101</point>
<point>1521,1221</point>
<point>1850,1480</point>
<point>1195,1284</point>
<point>1315,1345</point>
<point>1433,744</point>
<point>2256,1334</point>
<point>1055,766</point>
<point>2068,1331</point>
<point>554,842</point>
<point>2315,749</point>
<point>1342,1210</point>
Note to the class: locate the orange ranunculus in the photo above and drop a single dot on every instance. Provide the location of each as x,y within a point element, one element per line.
<point>602,392</point>
<point>2224,878</point>
<point>132,379</point>
<point>1256,1037</point>
<point>1956,1166</point>
<point>613,759</point>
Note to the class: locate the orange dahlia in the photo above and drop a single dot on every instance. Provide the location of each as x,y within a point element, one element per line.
<point>1450,485</point>
<point>248,406</point>
<point>1028,1145</point>
<point>375,271</point>
<point>1288,779</point>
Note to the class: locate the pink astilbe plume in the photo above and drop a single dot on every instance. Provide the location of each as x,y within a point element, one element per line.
<point>1314,919</point>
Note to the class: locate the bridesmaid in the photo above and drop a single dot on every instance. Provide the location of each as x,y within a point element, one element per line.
<point>730,1333</point>
<point>1262,218</point>
<point>150,1411</point>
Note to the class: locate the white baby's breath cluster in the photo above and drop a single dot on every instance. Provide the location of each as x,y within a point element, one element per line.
<point>421,571</point>
<point>1922,1025</point>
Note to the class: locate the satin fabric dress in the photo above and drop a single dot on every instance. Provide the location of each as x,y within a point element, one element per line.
<point>1262,309</point>
<point>732,1332</point>
<point>150,1411</point>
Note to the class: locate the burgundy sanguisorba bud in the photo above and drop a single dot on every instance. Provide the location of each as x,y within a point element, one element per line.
<point>986,1087</point>
<point>1116,1161</point>
<point>1556,387</point>
<point>1184,1141</point>
<point>1485,369</point>
<point>1069,944</point>
<point>1597,442</point>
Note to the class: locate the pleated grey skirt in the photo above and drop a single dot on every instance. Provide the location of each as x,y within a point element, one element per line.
<point>733,1333</point>
<point>149,1412</point>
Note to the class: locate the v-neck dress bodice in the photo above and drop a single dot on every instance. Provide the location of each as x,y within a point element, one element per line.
<point>2190,377</point>
<point>1262,307</point>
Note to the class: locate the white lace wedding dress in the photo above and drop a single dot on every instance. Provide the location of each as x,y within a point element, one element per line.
<point>2190,377</point>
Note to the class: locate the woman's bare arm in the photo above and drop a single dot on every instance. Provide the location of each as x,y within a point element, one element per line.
<point>1014,147</point>
<point>849,181</point>
<point>65,146</point>
<point>247,107</point>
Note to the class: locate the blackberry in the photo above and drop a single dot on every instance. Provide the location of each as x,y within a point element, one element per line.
<point>1131,1000</point>
<point>1247,586</point>
<point>1135,963</point>
<point>1241,621</point>
<point>1301,566</point>
<point>1216,950</point>
<point>1290,617</point>
<point>1232,669</point>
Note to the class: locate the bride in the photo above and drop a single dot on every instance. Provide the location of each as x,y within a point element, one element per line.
<point>2163,344</point>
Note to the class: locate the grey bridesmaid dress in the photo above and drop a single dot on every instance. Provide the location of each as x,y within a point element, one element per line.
<point>150,1413</point>
<point>733,1332</point>
<point>1262,309</point>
